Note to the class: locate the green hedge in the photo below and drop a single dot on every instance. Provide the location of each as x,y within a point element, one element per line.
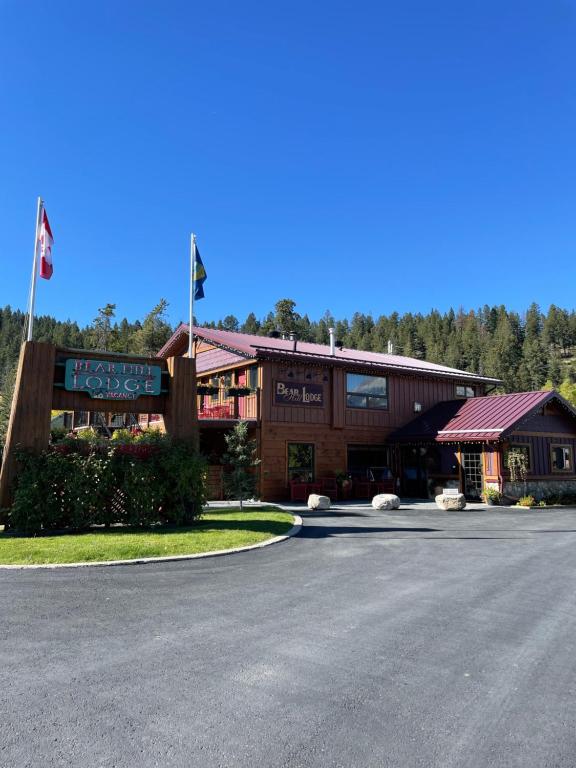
<point>79,483</point>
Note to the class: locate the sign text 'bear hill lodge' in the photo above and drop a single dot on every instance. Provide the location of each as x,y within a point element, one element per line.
<point>293,393</point>
<point>105,380</point>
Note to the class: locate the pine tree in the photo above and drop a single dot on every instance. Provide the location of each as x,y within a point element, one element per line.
<point>8,383</point>
<point>155,331</point>
<point>102,327</point>
<point>240,482</point>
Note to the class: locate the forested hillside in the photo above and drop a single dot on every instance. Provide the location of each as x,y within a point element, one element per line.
<point>526,350</point>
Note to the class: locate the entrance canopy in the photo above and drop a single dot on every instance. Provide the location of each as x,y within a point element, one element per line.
<point>478,419</point>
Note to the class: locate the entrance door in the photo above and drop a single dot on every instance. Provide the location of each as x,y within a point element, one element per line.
<point>472,475</point>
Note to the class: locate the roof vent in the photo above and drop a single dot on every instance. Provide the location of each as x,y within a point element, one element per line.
<point>294,339</point>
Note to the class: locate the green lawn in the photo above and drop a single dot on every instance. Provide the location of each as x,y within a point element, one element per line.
<point>218,529</point>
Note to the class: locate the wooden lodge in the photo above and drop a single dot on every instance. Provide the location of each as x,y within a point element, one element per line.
<point>320,412</point>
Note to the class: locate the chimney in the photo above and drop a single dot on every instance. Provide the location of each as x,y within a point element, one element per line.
<point>332,342</point>
<point>390,347</point>
<point>294,340</point>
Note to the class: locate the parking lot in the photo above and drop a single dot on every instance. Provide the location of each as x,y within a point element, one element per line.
<point>412,638</point>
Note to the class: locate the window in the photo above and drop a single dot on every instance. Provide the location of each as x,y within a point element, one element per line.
<point>300,462</point>
<point>366,391</point>
<point>462,391</point>
<point>252,377</point>
<point>561,458</point>
<point>519,448</point>
<point>215,382</point>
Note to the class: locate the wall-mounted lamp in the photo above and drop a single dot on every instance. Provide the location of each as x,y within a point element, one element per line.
<point>417,407</point>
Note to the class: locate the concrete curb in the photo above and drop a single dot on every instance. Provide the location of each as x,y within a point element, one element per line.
<point>294,531</point>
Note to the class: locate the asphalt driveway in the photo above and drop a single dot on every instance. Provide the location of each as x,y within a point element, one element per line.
<point>417,638</point>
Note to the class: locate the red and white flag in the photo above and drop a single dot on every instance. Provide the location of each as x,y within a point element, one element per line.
<point>46,241</point>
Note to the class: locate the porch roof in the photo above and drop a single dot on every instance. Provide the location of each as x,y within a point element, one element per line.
<point>478,419</point>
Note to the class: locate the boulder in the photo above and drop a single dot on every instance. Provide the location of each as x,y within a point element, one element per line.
<point>386,501</point>
<point>315,501</point>
<point>452,502</point>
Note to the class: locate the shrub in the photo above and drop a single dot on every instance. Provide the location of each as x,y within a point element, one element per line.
<point>527,501</point>
<point>77,484</point>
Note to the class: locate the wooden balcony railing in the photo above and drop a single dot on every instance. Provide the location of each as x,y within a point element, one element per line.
<point>227,404</point>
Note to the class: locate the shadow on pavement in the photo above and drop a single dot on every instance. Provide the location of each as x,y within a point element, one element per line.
<point>320,532</point>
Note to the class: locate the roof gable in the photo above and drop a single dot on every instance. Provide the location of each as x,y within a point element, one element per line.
<point>478,419</point>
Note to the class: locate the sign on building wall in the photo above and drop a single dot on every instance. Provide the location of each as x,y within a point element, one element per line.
<point>104,380</point>
<point>294,393</point>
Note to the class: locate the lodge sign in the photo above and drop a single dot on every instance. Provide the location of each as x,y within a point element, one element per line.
<point>118,380</point>
<point>293,393</point>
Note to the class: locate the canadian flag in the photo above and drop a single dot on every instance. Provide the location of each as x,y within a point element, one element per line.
<point>46,241</point>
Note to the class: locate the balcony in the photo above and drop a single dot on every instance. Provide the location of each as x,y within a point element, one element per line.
<point>228,403</point>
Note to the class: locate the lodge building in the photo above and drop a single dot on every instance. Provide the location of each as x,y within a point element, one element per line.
<point>384,422</point>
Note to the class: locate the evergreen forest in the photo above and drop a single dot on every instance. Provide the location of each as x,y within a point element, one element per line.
<point>528,350</point>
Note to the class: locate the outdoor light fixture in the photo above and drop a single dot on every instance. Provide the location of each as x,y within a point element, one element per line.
<point>417,407</point>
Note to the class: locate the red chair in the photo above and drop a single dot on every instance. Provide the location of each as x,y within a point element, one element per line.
<point>362,489</point>
<point>298,491</point>
<point>385,486</point>
<point>329,487</point>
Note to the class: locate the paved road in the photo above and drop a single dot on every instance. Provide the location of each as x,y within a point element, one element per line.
<point>415,639</point>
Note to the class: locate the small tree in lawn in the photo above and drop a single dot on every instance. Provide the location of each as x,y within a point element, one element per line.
<point>240,482</point>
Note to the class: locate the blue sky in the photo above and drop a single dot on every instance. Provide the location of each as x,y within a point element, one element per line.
<point>352,156</point>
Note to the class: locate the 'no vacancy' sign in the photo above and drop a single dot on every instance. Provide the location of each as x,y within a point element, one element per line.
<point>105,380</point>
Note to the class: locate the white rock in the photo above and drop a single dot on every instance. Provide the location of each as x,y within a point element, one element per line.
<point>386,501</point>
<point>315,501</point>
<point>457,501</point>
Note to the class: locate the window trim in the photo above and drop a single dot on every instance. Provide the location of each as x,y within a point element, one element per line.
<point>569,448</point>
<point>367,407</point>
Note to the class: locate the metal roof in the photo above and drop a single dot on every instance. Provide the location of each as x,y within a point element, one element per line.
<point>252,346</point>
<point>483,419</point>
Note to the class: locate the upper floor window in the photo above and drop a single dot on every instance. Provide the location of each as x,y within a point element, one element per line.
<point>462,391</point>
<point>561,458</point>
<point>252,377</point>
<point>366,391</point>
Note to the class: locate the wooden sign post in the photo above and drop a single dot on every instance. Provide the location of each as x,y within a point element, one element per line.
<point>52,377</point>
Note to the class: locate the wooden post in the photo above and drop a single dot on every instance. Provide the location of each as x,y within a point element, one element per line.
<point>181,418</point>
<point>29,425</point>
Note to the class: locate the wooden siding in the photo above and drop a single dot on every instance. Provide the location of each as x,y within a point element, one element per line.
<point>331,452</point>
<point>540,453</point>
<point>554,420</point>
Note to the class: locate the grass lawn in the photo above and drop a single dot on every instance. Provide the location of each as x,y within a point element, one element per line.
<point>218,529</point>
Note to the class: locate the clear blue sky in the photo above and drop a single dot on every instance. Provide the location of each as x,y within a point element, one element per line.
<point>353,156</point>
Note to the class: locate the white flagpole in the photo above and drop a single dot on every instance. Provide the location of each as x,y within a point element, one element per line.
<point>192,281</point>
<point>34,272</point>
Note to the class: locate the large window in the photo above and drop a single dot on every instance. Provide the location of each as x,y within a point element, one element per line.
<point>462,391</point>
<point>561,458</point>
<point>366,391</point>
<point>301,462</point>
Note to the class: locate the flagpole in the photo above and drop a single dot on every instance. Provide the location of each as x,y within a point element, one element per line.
<point>192,279</point>
<point>34,272</point>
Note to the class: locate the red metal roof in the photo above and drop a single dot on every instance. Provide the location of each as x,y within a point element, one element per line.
<point>216,358</point>
<point>252,346</point>
<point>482,419</point>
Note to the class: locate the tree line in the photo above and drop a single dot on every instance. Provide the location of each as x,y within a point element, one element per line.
<point>529,350</point>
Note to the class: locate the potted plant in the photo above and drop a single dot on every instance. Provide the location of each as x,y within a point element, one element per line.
<point>207,389</point>
<point>492,495</point>
<point>238,391</point>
